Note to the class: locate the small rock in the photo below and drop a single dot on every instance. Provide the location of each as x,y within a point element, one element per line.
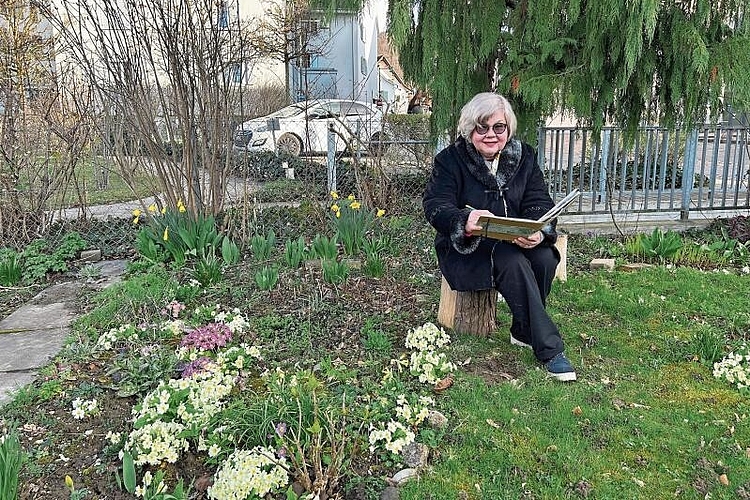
<point>353,263</point>
<point>416,454</point>
<point>94,255</point>
<point>297,488</point>
<point>606,264</point>
<point>389,493</point>
<point>202,483</point>
<point>401,477</point>
<point>436,419</point>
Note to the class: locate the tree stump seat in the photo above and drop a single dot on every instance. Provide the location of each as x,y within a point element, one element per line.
<point>475,312</point>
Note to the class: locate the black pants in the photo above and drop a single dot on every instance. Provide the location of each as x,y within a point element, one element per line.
<point>524,278</point>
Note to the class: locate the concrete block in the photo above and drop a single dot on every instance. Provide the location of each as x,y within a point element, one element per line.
<point>606,264</point>
<point>94,255</point>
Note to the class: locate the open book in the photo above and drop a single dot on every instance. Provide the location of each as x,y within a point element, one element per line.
<point>510,228</point>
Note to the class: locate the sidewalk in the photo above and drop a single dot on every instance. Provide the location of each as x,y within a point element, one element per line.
<point>36,332</point>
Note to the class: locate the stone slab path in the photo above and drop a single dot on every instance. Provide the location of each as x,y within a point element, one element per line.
<point>32,335</point>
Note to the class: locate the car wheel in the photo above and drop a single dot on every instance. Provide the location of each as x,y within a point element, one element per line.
<point>378,144</point>
<point>289,143</point>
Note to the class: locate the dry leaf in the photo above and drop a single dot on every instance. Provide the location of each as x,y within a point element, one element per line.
<point>492,423</point>
<point>443,384</point>
<point>577,411</point>
<point>723,479</point>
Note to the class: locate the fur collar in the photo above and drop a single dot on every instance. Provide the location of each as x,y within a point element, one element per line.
<point>510,160</point>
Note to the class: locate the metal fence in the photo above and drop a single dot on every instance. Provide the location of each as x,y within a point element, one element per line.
<point>704,170</point>
<point>663,170</point>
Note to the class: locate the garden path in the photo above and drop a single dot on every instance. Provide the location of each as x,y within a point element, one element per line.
<point>35,333</point>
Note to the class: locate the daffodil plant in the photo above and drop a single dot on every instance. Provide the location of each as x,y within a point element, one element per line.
<point>351,222</point>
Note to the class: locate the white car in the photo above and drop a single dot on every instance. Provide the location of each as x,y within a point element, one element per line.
<point>302,128</point>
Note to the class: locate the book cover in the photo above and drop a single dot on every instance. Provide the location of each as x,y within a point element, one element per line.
<point>510,228</point>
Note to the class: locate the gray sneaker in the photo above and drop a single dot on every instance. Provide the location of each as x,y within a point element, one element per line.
<point>560,368</point>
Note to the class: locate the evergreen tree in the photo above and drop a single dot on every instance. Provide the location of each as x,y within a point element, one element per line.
<point>623,62</point>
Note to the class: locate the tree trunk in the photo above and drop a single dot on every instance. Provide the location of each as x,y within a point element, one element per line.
<point>467,312</point>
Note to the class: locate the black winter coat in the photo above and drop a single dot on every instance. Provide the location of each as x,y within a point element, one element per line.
<point>460,179</point>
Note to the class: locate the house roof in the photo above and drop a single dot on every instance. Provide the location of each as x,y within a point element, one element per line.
<point>388,59</point>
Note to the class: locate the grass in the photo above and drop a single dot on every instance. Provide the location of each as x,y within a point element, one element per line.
<point>646,419</point>
<point>101,183</point>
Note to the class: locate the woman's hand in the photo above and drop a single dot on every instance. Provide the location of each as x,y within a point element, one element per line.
<point>530,242</point>
<point>471,222</point>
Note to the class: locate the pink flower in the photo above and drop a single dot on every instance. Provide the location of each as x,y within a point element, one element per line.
<point>208,337</point>
<point>173,309</point>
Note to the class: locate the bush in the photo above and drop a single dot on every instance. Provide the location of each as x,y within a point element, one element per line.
<point>634,179</point>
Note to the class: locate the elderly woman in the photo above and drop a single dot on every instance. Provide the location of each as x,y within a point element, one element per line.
<point>489,172</point>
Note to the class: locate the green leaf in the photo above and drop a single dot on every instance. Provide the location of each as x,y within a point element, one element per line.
<point>290,494</point>
<point>315,428</point>
<point>128,472</point>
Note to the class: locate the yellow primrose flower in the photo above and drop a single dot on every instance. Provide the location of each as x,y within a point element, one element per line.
<point>335,207</point>
<point>135,220</point>
<point>152,208</point>
<point>380,213</point>
<point>334,195</point>
<point>338,214</point>
<point>166,234</point>
<point>181,206</point>
<point>69,482</point>
<point>351,197</point>
<point>137,212</point>
<point>355,205</point>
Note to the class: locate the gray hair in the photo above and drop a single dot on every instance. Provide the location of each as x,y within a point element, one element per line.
<point>480,108</point>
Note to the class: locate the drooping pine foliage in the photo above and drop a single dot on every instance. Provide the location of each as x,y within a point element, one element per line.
<point>624,62</point>
<point>449,48</point>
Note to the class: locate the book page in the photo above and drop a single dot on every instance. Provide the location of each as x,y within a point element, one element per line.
<point>561,205</point>
<point>510,228</point>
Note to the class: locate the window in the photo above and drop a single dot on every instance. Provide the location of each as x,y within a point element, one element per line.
<point>223,20</point>
<point>235,73</point>
<point>310,26</point>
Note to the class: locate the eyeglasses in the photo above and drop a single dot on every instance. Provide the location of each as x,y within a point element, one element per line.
<point>498,128</point>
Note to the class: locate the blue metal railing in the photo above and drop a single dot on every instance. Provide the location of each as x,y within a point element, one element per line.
<point>706,168</point>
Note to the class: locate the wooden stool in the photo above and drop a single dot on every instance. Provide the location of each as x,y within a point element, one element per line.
<point>475,312</point>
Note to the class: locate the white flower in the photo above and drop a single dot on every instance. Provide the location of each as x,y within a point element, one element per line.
<point>735,368</point>
<point>244,473</point>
